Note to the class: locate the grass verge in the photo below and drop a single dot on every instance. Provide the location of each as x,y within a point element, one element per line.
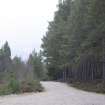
<point>90,87</point>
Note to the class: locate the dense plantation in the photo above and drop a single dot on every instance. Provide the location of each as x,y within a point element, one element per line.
<point>74,45</point>
<point>17,76</point>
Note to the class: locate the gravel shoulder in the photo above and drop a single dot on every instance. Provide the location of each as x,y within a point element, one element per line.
<point>55,94</point>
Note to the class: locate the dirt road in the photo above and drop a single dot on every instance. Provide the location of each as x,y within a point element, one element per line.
<point>55,94</point>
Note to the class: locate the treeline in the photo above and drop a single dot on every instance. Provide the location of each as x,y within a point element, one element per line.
<point>30,69</point>
<point>17,75</point>
<point>74,45</point>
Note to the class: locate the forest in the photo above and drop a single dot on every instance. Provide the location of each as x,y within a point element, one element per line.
<point>18,76</point>
<point>73,51</point>
<point>74,45</point>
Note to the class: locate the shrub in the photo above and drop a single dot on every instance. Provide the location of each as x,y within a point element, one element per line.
<point>31,86</point>
<point>4,90</point>
<point>14,85</point>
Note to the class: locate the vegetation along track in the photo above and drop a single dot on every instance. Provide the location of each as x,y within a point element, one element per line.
<point>55,94</point>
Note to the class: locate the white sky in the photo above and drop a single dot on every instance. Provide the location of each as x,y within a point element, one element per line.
<point>24,22</point>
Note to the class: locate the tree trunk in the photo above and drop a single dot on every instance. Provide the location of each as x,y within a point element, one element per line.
<point>103,44</point>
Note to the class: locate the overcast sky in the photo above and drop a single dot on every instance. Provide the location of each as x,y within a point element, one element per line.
<point>24,22</point>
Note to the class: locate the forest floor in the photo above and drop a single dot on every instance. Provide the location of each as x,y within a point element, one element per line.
<point>97,87</point>
<point>55,94</point>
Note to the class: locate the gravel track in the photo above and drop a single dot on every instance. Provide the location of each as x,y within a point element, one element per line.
<point>55,94</point>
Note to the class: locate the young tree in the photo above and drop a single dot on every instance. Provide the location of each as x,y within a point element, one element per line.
<point>35,62</point>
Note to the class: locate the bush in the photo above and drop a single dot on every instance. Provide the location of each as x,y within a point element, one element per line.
<point>14,85</point>
<point>4,90</point>
<point>31,86</point>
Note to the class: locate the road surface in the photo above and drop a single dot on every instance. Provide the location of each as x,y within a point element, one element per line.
<point>55,94</point>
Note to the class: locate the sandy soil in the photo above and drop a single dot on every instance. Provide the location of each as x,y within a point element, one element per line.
<point>55,94</point>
